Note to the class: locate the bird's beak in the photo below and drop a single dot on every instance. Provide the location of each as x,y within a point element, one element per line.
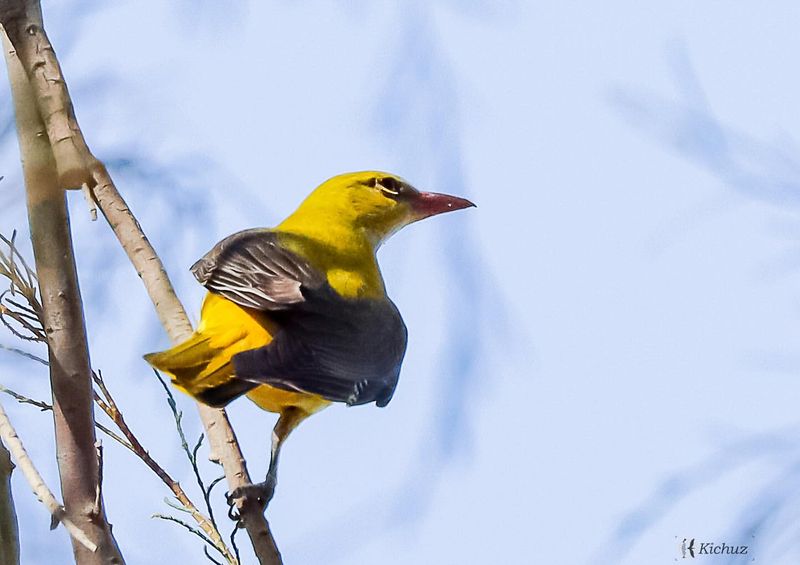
<point>426,204</point>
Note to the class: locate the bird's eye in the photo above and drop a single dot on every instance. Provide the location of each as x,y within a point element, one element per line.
<point>389,186</point>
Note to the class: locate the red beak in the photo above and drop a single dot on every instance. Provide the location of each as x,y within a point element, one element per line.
<point>426,204</point>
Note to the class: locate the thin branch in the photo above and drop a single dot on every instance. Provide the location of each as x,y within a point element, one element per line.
<point>77,166</point>
<point>22,281</point>
<point>194,531</point>
<point>30,279</point>
<point>208,555</point>
<point>40,489</point>
<point>190,455</point>
<point>44,406</point>
<point>106,402</point>
<point>176,505</point>
<point>22,353</point>
<point>214,483</point>
<point>189,527</point>
<point>40,404</point>
<point>232,537</point>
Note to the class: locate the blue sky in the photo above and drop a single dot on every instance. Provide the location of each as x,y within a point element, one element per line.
<point>602,355</point>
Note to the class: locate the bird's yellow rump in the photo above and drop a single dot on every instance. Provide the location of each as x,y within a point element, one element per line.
<point>297,316</point>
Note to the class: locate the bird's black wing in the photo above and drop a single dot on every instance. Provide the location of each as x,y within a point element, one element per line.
<point>345,350</point>
<point>253,269</point>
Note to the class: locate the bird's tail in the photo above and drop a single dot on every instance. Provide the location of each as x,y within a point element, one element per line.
<point>201,366</point>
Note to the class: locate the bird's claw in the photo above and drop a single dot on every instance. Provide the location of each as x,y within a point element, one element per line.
<point>259,493</point>
<point>233,512</point>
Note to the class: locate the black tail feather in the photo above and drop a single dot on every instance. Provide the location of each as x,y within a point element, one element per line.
<point>220,396</point>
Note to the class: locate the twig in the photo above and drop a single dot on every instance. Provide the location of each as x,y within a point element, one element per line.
<point>208,555</point>
<point>107,403</point>
<point>232,537</point>
<point>18,351</point>
<point>89,197</point>
<point>22,281</point>
<point>40,489</point>
<point>44,407</point>
<point>30,275</point>
<point>189,527</point>
<point>40,404</point>
<point>190,455</point>
<point>76,166</point>
<point>36,333</point>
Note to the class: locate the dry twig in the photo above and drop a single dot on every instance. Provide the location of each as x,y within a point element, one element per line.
<point>46,407</point>
<point>22,287</point>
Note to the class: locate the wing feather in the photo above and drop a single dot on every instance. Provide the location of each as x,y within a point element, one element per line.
<point>252,269</point>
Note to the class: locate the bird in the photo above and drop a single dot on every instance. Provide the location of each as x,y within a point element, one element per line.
<point>297,317</point>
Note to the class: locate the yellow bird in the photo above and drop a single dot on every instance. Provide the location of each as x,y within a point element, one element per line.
<point>297,316</point>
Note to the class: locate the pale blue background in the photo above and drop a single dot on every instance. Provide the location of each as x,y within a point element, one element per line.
<point>603,355</point>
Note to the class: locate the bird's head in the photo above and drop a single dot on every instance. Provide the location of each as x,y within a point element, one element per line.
<point>374,203</point>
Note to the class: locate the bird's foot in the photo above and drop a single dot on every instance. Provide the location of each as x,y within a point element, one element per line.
<point>258,493</point>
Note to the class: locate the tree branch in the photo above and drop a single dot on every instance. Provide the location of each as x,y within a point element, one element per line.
<point>45,407</point>
<point>79,166</point>
<point>9,531</point>
<point>23,17</point>
<point>70,373</point>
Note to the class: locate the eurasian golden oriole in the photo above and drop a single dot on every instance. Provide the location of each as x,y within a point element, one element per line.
<point>297,316</point>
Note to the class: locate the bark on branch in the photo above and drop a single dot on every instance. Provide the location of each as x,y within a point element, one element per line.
<point>9,531</point>
<point>73,162</point>
<point>26,30</point>
<point>70,372</point>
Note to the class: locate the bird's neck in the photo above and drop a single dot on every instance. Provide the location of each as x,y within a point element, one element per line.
<point>345,254</point>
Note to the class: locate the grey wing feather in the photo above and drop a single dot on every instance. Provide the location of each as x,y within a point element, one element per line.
<point>253,269</point>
